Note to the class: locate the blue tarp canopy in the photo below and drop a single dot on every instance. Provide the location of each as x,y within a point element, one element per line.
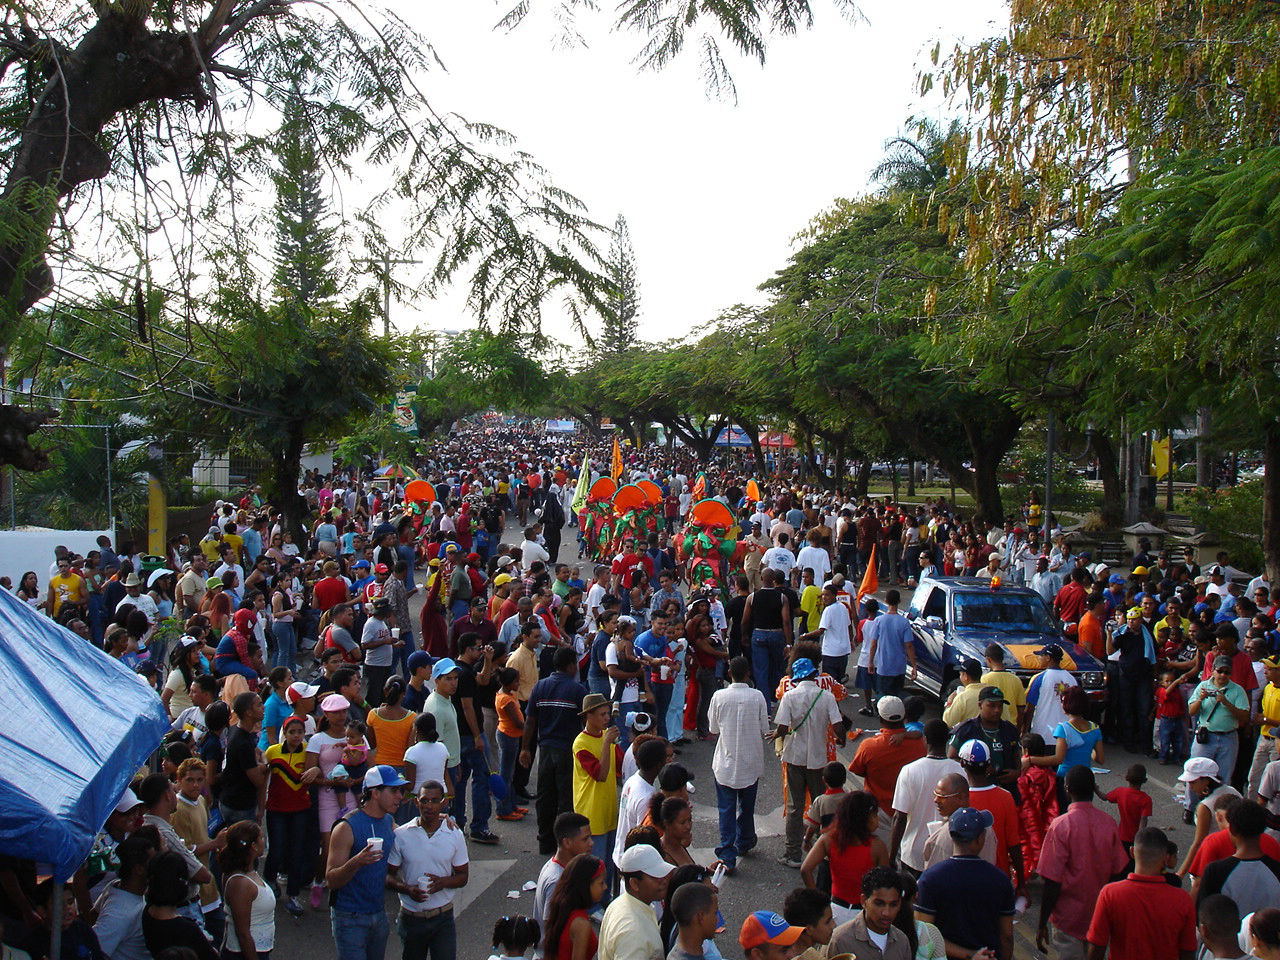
<point>733,437</point>
<point>75,727</point>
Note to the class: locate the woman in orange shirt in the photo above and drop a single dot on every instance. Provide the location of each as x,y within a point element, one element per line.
<point>391,734</point>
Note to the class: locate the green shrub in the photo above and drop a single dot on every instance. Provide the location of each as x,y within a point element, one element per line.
<point>1232,515</point>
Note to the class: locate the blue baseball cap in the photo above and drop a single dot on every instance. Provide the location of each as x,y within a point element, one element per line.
<point>417,660</point>
<point>802,669</point>
<point>1115,578</point>
<point>968,823</point>
<point>361,565</point>
<point>442,666</point>
<point>383,775</point>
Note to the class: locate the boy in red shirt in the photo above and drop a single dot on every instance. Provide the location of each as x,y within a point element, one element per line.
<point>1171,718</point>
<point>1134,804</point>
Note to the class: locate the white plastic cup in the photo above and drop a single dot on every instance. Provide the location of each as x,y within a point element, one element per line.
<point>664,671</point>
<point>395,633</point>
<point>376,844</point>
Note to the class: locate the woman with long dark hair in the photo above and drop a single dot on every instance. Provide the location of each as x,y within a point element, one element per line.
<point>850,848</point>
<point>184,666</point>
<point>570,935</point>
<point>285,610</point>
<point>251,903</point>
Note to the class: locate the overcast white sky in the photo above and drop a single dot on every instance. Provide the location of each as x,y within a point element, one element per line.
<point>712,191</point>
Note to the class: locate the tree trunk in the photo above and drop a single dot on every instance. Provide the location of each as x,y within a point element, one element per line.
<point>1204,462</point>
<point>282,484</point>
<point>1109,473</point>
<point>753,431</point>
<point>1271,501</point>
<point>911,478</point>
<point>986,486</point>
<point>863,480</point>
<point>118,64</point>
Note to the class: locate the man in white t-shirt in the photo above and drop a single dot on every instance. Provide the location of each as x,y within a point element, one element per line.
<point>427,864</point>
<point>815,558</point>
<point>762,518</point>
<point>780,558</point>
<point>595,600</point>
<point>836,632</point>
<point>1044,692</point>
<point>573,837</point>
<point>913,797</point>
<point>633,801</point>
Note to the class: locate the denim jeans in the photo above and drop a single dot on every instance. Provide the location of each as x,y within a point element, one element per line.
<point>835,666</point>
<point>435,937</point>
<point>473,766</point>
<point>1173,738</point>
<point>359,936</point>
<point>508,753</point>
<point>286,654</point>
<point>625,712</point>
<point>675,712</point>
<point>737,821</point>
<point>889,685</point>
<point>400,658</point>
<point>1222,747</point>
<point>602,847</point>
<point>767,660</point>
<point>661,704</point>
<point>231,815</point>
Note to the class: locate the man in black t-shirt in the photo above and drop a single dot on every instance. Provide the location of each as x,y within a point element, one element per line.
<point>242,775</point>
<point>475,666</point>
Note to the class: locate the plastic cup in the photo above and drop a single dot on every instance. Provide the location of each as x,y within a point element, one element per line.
<point>395,633</point>
<point>664,671</point>
<point>376,844</point>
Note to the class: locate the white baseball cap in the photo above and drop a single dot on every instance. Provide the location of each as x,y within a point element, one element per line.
<point>643,858</point>
<point>1197,767</point>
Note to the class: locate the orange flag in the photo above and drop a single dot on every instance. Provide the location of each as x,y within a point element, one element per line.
<point>616,471</point>
<point>871,579</point>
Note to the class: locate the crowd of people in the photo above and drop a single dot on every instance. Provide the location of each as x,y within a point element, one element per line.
<point>328,746</point>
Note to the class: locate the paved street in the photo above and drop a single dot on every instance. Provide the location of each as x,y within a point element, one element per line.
<point>499,873</point>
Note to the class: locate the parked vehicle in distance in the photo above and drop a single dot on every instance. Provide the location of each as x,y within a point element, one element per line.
<point>954,618</point>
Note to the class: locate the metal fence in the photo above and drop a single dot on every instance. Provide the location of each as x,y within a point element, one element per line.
<point>86,485</point>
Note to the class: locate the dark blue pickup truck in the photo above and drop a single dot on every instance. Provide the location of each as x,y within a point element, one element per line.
<point>954,618</point>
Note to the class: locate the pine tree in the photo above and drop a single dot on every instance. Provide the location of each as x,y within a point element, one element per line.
<point>624,302</point>
<point>305,240</point>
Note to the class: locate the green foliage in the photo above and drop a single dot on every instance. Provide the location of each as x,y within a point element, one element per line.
<point>623,303</point>
<point>306,240</point>
<point>1232,515</point>
<point>377,435</point>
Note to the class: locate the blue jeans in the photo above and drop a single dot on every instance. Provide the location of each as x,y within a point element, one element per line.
<point>436,937</point>
<point>737,821</point>
<point>508,752</point>
<point>286,645</point>
<point>473,766</point>
<point>401,656</point>
<point>288,852</point>
<point>602,847</point>
<point>459,608</point>
<point>675,712</point>
<point>625,712</point>
<point>598,685</point>
<point>767,661</point>
<point>661,704</point>
<point>1173,737</point>
<point>359,936</point>
<point>889,685</point>
<point>1222,747</point>
<point>97,617</point>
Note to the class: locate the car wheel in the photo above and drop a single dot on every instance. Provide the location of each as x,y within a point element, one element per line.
<point>951,685</point>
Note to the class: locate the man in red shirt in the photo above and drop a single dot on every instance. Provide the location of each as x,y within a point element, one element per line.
<point>331,588</point>
<point>1228,640</point>
<point>1089,634</point>
<point>1081,853</point>
<point>975,758</point>
<point>1069,604</point>
<point>881,758</point>
<point>1143,917</point>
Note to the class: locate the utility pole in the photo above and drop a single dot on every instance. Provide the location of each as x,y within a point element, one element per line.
<point>386,262</point>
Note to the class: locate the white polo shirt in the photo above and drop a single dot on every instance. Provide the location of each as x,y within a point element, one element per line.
<point>418,853</point>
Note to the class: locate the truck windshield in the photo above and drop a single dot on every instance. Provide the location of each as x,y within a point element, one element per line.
<point>1000,611</point>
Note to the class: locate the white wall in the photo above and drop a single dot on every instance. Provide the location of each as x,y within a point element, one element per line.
<point>31,548</point>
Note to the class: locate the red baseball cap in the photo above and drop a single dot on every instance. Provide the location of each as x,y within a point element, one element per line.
<point>382,568</point>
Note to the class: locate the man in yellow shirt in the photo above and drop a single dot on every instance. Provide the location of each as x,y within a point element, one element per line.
<point>1173,615</point>
<point>236,543</point>
<point>66,587</point>
<point>1268,718</point>
<point>1015,694</point>
<point>597,758</point>
<point>963,704</point>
